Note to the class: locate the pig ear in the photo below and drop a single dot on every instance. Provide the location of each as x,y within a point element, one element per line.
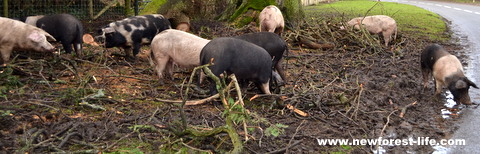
<point>36,37</point>
<point>460,84</point>
<point>49,37</point>
<point>470,83</point>
<point>109,30</point>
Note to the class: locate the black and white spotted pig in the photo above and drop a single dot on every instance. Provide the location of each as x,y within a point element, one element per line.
<point>273,44</point>
<point>133,32</point>
<point>447,71</point>
<point>244,59</point>
<point>64,27</point>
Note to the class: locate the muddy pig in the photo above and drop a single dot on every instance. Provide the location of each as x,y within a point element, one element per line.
<point>271,20</point>
<point>273,44</point>
<point>244,59</point>
<point>447,71</point>
<point>377,24</point>
<point>133,32</point>
<point>66,29</point>
<point>175,46</point>
<point>17,35</point>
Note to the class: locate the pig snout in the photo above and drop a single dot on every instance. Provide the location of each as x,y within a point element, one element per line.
<point>100,39</point>
<point>459,90</point>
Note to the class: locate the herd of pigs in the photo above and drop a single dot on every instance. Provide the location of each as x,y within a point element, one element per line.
<point>254,57</point>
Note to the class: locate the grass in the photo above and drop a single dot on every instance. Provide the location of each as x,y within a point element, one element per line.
<point>152,7</point>
<point>411,20</point>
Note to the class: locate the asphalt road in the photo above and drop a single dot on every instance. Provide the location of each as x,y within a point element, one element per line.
<point>465,21</point>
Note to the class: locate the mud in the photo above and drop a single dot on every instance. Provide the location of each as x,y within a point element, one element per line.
<point>356,90</point>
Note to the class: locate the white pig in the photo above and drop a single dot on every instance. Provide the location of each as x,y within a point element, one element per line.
<point>175,46</point>
<point>17,35</point>
<point>377,24</point>
<point>271,20</point>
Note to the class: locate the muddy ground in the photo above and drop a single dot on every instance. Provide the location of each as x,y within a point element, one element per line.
<point>354,90</point>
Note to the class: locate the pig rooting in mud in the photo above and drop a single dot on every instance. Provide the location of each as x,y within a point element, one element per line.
<point>447,72</point>
<point>17,35</point>
<point>247,61</point>
<point>66,29</point>
<point>378,24</point>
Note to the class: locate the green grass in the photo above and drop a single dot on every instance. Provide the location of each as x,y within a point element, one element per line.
<point>411,20</point>
<point>152,7</point>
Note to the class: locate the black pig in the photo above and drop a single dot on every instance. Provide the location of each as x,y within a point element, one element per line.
<point>244,59</point>
<point>63,27</point>
<point>133,32</point>
<point>447,71</point>
<point>273,44</point>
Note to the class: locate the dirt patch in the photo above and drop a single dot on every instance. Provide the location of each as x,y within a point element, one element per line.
<point>355,90</point>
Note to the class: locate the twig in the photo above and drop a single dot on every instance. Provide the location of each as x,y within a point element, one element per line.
<point>284,149</point>
<point>207,151</point>
<point>40,104</point>
<point>45,79</point>
<point>192,102</point>
<point>294,134</point>
<point>124,76</point>
<point>298,111</point>
<point>404,109</point>
<point>66,139</point>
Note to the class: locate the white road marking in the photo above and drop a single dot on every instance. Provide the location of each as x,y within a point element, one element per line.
<point>439,5</point>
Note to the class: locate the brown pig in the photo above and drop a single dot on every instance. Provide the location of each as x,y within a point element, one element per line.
<point>377,24</point>
<point>175,46</point>
<point>271,20</point>
<point>447,72</point>
<point>17,35</point>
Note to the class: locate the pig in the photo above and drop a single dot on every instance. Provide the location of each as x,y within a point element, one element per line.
<point>17,35</point>
<point>273,44</point>
<point>447,72</point>
<point>271,20</point>
<point>175,46</point>
<point>244,59</point>
<point>65,28</point>
<point>377,24</point>
<point>133,31</point>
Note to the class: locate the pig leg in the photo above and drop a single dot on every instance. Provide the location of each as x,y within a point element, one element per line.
<point>387,36</point>
<point>6,51</point>
<point>160,65</point>
<point>136,49</point>
<point>438,87</point>
<point>280,70</point>
<point>78,49</point>
<point>169,69</point>
<point>264,87</point>
<point>279,30</point>
<point>67,47</point>
<point>426,75</point>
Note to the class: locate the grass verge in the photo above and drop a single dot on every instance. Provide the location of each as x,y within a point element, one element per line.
<point>411,20</point>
